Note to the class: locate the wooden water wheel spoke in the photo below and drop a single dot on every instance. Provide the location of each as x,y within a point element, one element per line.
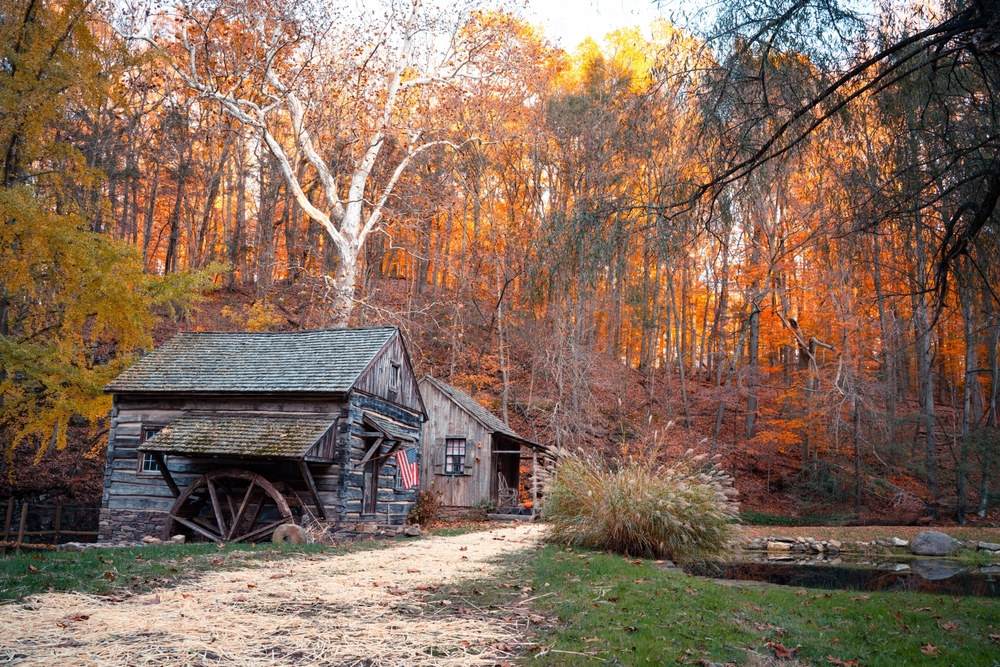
<point>255,507</point>
<point>243,508</point>
<point>219,516</point>
<point>198,529</point>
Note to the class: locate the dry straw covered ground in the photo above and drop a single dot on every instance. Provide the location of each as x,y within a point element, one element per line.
<point>363,608</point>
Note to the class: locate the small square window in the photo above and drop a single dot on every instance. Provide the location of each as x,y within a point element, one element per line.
<point>454,456</point>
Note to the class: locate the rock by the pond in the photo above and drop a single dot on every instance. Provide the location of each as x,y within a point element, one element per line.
<point>779,546</point>
<point>989,546</point>
<point>412,531</point>
<point>933,543</point>
<point>896,542</point>
<point>936,570</point>
<point>836,544</point>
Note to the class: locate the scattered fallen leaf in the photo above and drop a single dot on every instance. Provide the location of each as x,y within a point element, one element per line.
<point>841,663</point>
<point>413,570</point>
<point>277,576</point>
<point>929,649</point>
<point>240,598</point>
<point>861,597</point>
<point>503,648</point>
<point>948,625</point>
<point>109,575</point>
<point>32,568</point>
<point>76,616</point>
<point>781,651</point>
<point>251,585</point>
<point>995,638</point>
<point>802,592</point>
<point>464,549</point>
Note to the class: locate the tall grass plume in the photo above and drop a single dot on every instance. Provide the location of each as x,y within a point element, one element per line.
<point>683,511</point>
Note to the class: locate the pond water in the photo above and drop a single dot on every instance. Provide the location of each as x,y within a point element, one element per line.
<point>920,575</point>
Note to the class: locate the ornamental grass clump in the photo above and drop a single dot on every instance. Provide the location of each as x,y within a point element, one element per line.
<point>684,511</point>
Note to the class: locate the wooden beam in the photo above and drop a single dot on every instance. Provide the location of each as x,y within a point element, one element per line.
<point>55,539</point>
<point>370,452</point>
<point>6,527</point>
<point>161,463</point>
<point>20,529</point>
<point>198,529</point>
<point>311,485</point>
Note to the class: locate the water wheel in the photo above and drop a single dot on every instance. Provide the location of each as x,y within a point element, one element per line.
<point>232,506</point>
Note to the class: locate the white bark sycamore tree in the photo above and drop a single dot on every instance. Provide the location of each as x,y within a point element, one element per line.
<point>344,101</point>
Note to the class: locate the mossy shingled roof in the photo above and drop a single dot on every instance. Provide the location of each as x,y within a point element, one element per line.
<point>326,361</point>
<point>239,436</point>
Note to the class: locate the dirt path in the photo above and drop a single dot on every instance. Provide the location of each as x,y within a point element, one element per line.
<point>358,609</point>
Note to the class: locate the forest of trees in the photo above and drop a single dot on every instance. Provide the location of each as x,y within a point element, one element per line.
<point>774,228</point>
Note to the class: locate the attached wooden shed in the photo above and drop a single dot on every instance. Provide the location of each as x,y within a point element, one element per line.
<point>224,436</point>
<point>472,456</point>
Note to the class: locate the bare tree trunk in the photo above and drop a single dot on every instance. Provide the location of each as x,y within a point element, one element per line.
<point>170,263</point>
<point>753,362</point>
<point>925,371</point>
<point>971,379</point>
<point>679,336</point>
<point>147,223</point>
<point>857,457</point>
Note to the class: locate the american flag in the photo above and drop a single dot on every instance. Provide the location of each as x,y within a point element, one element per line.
<point>408,467</point>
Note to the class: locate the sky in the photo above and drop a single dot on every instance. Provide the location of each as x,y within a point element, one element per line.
<point>569,22</point>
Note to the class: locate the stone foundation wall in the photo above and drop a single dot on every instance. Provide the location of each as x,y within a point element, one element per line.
<point>119,526</point>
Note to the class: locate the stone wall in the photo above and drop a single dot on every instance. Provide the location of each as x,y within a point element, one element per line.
<point>119,526</point>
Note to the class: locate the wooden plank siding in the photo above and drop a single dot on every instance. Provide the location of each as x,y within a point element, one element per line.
<point>445,420</point>
<point>391,504</point>
<point>126,488</point>
<point>375,380</point>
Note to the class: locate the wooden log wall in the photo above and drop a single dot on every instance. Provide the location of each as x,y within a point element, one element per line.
<point>392,505</point>
<point>125,488</point>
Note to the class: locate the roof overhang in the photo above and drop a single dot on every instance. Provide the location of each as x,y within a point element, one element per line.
<point>388,429</point>
<point>241,436</point>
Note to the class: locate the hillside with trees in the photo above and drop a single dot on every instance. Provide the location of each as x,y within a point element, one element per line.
<point>769,234</point>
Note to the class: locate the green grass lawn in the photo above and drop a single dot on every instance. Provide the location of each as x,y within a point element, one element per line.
<point>133,569</point>
<point>616,610</point>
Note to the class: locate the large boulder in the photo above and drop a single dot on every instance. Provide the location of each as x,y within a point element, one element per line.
<point>933,543</point>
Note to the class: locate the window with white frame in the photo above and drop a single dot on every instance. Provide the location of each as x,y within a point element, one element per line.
<point>147,462</point>
<point>454,456</point>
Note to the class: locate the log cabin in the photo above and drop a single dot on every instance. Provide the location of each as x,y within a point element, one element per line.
<point>473,458</point>
<point>224,436</point>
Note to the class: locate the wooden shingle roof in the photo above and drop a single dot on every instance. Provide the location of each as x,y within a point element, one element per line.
<point>326,361</point>
<point>478,412</point>
<point>239,436</point>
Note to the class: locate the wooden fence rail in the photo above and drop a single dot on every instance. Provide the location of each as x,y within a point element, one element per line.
<point>6,542</point>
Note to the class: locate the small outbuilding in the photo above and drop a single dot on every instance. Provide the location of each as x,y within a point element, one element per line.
<point>472,457</point>
<point>226,436</point>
